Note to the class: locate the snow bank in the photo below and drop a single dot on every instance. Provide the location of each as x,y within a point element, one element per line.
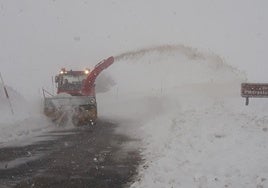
<point>205,144</point>
<point>186,108</point>
<point>26,122</point>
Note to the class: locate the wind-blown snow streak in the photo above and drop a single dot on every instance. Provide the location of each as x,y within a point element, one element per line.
<point>166,67</point>
<point>213,60</point>
<point>189,52</point>
<point>160,71</point>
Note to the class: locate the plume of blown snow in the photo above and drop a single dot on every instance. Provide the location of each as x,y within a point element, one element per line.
<point>153,77</point>
<point>169,66</point>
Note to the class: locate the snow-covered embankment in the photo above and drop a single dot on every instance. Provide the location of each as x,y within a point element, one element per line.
<point>24,124</point>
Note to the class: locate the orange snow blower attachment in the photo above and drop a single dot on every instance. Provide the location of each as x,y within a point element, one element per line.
<point>76,95</point>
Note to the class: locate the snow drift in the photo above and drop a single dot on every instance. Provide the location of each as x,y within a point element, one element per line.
<point>185,106</point>
<point>25,123</point>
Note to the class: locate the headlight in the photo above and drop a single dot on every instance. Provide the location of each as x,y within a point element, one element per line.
<point>63,71</point>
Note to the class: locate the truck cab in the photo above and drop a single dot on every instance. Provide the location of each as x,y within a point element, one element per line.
<point>71,82</point>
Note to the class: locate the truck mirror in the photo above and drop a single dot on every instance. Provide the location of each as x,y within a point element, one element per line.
<point>56,79</point>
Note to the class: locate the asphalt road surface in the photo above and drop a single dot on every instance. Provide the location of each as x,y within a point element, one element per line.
<point>80,157</point>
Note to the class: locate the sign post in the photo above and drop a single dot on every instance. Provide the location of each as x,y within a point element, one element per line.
<point>6,93</point>
<point>254,90</point>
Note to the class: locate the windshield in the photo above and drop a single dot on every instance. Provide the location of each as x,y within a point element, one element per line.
<point>71,82</point>
<point>74,79</point>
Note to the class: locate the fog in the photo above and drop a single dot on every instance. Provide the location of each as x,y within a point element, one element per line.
<point>37,38</point>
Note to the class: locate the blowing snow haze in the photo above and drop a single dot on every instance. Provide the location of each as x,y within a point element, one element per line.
<point>174,87</point>
<point>39,38</point>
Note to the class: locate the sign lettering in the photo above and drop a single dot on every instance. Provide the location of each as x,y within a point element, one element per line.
<point>254,90</point>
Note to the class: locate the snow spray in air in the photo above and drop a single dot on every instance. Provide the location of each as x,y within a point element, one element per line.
<point>184,64</point>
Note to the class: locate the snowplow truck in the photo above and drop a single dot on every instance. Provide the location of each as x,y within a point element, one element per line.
<point>76,97</point>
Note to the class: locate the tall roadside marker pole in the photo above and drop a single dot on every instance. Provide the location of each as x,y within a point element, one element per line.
<point>6,93</point>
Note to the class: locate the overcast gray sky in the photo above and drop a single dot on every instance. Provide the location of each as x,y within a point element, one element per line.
<point>38,37</point>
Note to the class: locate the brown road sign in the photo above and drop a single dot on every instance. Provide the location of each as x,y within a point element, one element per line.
<point>256,90</point>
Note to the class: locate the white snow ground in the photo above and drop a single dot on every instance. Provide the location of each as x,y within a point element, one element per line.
<point>186,108</point>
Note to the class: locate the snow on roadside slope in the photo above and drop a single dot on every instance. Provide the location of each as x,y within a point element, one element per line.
<point>205,145</point>
<point>186,108</point>
<point>24,124</point>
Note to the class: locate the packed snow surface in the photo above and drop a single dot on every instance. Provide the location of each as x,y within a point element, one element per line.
<point>186,108</point>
